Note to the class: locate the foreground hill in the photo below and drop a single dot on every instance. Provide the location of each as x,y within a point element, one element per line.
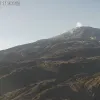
<point>64,67</point>
<point>87,88</point>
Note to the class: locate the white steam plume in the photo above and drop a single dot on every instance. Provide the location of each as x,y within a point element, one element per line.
<point>78,24</point>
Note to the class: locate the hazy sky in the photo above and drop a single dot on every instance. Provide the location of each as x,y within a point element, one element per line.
<point>38,19</point>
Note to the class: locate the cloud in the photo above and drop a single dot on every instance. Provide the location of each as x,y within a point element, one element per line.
<point>78,24</point>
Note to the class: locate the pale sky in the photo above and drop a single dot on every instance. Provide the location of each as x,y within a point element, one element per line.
<point>40,19</point>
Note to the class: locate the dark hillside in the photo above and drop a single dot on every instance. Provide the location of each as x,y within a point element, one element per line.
<point>65,67</point>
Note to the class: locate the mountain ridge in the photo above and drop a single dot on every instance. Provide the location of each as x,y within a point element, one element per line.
<point>81,33</point>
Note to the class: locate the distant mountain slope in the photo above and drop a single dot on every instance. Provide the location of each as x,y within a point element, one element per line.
<point>75,38</point>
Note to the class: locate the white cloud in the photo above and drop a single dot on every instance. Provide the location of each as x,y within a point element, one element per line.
<point>78,24</point>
